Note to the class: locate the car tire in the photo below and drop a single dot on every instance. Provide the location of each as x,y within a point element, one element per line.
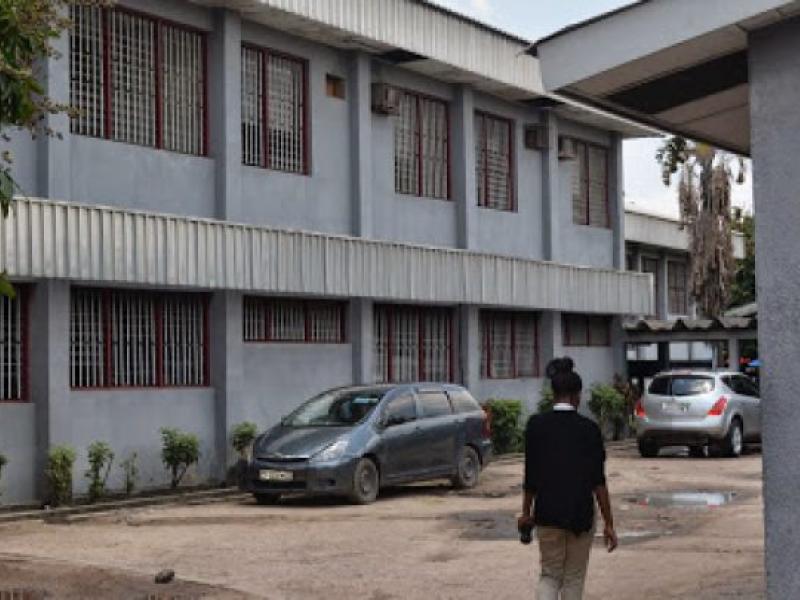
<point>648,449</point>
<point>366,482</point>
<point>733,444</point>
<point>697,451</point>
<point>468,469</point>
<point>267,499</point>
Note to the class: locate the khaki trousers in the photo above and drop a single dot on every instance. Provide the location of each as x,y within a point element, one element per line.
<point>565,558</point>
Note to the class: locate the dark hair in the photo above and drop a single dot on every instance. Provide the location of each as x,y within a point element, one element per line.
<point>563,378</point>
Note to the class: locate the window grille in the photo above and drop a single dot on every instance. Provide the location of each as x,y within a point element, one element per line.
<point>590,202</point>
<point>13,336</point>
<point>493,162</point>
<point>413,344</point>
<point>509,345</point>
<point>422,147</point>
<point>137,339</point>
<point>586,330</point>
<point>313,322</point>
<point>274,111</point>
<point>138,79</point>
<point>678,301</point>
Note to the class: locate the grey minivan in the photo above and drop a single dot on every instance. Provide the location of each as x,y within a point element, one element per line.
<point>352,441</point>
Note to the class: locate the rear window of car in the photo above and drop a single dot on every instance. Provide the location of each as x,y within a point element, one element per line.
<point>692,385</point>
<point>659,386</point>
<point>463,402</point>
<point>434,404</point>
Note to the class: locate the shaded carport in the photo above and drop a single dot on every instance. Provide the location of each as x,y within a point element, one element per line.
<point>726,72</point>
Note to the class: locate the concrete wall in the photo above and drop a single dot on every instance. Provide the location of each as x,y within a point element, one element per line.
<point>18,444</point>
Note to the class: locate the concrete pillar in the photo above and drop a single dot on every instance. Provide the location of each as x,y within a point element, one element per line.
<point>49,370</point>
<point>225,105</point>
<point>360,98</point>
<point>619,347</point>
<point>734,354</point>
<point>463,166</point>
<point>469,346</point>
<point>362,340</point>
<point>663,356</point>
<point>551,216</point>
<point>662,303</point>
<point>617,201</point>
<point>551,337</point>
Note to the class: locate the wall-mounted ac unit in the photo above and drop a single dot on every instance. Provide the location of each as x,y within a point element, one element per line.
<point>385,99</point>
<point>566,149</point>
<point>537,137</point>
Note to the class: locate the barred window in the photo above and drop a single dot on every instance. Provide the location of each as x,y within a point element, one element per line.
<point>274,111</point>
<point>138,79</point>
<point>137,339</point>
<point>422,147</point>
<point>307,321</point>
<point>678,301</point>
<point>493,162</point>
<point>650,265</point>
<point>590,186</point>
<point>413,344</point>
<point>509,345</point>
<point>586,330</point>
<point>13,350</point>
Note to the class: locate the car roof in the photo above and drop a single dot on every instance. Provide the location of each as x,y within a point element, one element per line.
<point>696,373</point>
<point>387,387</point>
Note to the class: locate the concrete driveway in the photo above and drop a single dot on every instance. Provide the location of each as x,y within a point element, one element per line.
<point>419,542</point>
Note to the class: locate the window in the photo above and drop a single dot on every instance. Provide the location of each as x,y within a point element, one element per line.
<point>13,347</point>
<point>435,404</point>
<point>660,386</point>
<point>742,385</point>
<point>590,186</point>
<point>650,265</point>
<point>138,79</point>
<point>401,410</point>
<point>509,345</point>
<point>274,111</point>
<point>493,162</point>
<point>422,147</point>
<point>413,344</point>
<point>586,330</point>
<point>690,385</point>
<point>335,87</point>
<point>463,402</point>
<point>138,339</point>
<point>676,276</point>
<point>306,321</point>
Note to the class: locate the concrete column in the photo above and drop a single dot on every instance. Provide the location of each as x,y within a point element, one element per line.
<point>469,346</point>
<point>616,202</point>
<point>360,98</point>
<point>463,166</point>
<point>662,303</point>
<point>227,373</point>
<point>49,370</point>
<point>619,347</point>
<point>362,340</point>
<point>551,207</point>
<point>551,337</point>
<point>663,356</point>
<point>734,354</point>
<point>225,104</point>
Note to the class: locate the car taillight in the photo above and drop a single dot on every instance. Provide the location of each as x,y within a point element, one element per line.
<point>486,432</point>
<point>719,407</point>
<point>639,409</point>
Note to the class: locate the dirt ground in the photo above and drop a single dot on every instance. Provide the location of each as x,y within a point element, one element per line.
<point>419,542</point>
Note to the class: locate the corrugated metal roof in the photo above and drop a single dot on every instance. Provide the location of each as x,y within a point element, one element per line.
<point>698,325</point>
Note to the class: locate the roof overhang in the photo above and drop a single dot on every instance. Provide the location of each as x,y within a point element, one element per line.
<point>680,65</point>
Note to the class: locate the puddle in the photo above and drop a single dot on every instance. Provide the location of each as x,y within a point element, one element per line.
<point>684,499</point>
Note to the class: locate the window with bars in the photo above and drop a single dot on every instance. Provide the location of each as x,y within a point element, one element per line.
<point>422,147</point>
<point>494,157</point>
<point>678,300</point>
<point>650,265</point>
<point>509,345</point>
<point>586,330</point>
<point>13,347</point>
<point>413,344</point>
<point>306,321</point>
<point>138,339</point>
<point>138,79</point>
<point>590,186</point>
<point>274,111</point>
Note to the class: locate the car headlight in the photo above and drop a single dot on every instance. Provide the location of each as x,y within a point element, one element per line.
<point>332,452</point>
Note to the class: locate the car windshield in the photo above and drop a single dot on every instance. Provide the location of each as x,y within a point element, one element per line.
<point>335,409</point>
<point>692,385</point>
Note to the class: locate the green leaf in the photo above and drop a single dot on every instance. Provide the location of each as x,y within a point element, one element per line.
<point>6,287</point>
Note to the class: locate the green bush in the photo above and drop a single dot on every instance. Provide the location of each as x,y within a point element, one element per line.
<point>101,456</point>
<point>507,434</point>
<point>242,436</point>
<point>3,463</point>
<point>58,472</point>
<point>179,452</point>
<point>130,471</point>
<point>609,406</point>
<point>547,400</point>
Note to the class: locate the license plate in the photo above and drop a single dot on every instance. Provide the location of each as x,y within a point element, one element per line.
<point>675,407</point>
<point>270,475</point>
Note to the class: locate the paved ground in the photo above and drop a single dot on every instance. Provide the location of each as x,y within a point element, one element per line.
<point>417,543</point>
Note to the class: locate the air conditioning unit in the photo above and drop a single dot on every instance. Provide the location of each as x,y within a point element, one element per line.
<point>537,137</point>
<point>566,149</point>
<point>385,99</point>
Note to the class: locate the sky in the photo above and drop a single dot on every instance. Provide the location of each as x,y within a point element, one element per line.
<point>534,19</point>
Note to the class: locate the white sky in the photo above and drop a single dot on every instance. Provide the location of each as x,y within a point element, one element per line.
<point>533,19</point>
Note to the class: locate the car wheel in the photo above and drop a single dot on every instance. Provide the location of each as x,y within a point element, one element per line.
<point>267,499</point>
<point>733,444</point>
<point>648,448</point>
<point>469,469</point>
<point>366,482</point>
<point>697,451</point>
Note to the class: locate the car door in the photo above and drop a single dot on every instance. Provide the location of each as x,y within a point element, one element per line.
<point>401,438</point>
<point>438,430</point>
<point>749,395</point>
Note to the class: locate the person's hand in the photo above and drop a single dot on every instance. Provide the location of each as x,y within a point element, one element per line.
<point>610,537</point>
<point>523,521</point>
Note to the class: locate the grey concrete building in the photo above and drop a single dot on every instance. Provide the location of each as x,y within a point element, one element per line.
<point>725,72</point>
<point>261,200</point>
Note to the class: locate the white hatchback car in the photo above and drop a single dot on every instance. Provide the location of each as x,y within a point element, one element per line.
<point>721,411</point>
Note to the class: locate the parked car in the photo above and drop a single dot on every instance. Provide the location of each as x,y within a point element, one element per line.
<point>698,409</point>
<point>352,441</point>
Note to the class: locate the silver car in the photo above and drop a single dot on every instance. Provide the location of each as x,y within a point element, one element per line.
<point>721,411</point>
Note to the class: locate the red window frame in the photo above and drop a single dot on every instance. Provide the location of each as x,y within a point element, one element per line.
<point>486,343</point>
<point>107,86</point>
<point>483,202</point>
<point>23,297</point>
<point>569,321</point>
<point>265,306</point>
<point>583,147</point>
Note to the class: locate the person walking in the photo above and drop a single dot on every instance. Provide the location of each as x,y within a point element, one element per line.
<point>564,474</point>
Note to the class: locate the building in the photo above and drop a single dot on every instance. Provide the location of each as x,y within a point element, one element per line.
<point>725,72</point>
<point>262,200</point>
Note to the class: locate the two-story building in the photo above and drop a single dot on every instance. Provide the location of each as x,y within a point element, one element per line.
<point>260,200</point>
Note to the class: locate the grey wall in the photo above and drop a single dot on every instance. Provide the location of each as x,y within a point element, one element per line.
<point>18,444</point>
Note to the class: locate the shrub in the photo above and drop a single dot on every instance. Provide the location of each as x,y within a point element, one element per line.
<point>243,435</point>
<point>507,435</point>
<point>609,406</point>
<point>179,452</point>
<point>3,463</point>
<point>101,456</point>
<point>58,472</point>
<point>131,472</point>
<point>547,400</point>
